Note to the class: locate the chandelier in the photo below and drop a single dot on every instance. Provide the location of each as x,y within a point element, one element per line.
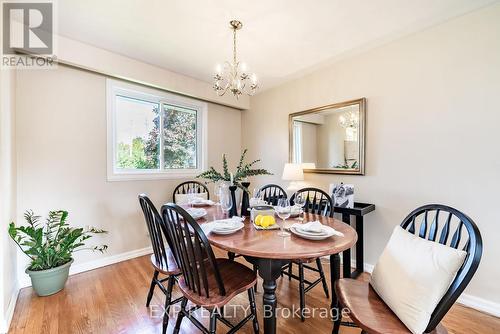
<point>349,120</point>
<point>233,76</point>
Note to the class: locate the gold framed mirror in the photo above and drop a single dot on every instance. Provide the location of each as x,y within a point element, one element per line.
<point>329,139</point>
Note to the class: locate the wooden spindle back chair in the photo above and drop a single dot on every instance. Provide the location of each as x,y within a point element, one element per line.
<point>271,193</point>
<point>433,222</point>
<point>183,189</point>
<point>162,259</point>
<point>320,203</point>
<point>206,281</point>
<point>450,227</point>
<point>317,201</point>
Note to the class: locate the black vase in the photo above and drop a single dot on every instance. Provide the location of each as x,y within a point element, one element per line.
<point>234,208</point>
<point>245,200</point>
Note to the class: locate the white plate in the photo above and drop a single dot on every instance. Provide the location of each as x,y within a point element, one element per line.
<point>197,213</point>
<point>238,226</point>
<point>203,203</point>
<point>320,234</point>
<point>310,236</point>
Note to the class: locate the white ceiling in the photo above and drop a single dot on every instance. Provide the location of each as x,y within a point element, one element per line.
<point>281,39</point>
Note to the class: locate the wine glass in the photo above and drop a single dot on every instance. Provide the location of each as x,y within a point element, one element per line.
<point>191,195</point>
<point>299,202</point>
<point>225,200</point>
<point>258,196</point>
<point>218,190</point>
<point>283,209</point>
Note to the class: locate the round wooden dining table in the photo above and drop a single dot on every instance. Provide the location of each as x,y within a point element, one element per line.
<point>270,252</point>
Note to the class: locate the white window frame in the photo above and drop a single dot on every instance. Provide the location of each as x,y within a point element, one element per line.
<point>297,142</point>
<point>114,88</point>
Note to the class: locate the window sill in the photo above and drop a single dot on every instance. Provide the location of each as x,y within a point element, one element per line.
<point>116,177</point>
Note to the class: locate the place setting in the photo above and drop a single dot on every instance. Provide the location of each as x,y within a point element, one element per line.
<point>314,230</point>
<point>196,213</point>
<point>224,226</point>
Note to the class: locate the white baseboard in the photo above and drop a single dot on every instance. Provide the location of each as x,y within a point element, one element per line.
<point>7,317</point>
<point>476,303</point>
<point>24,281</point>
<point>480,304</point>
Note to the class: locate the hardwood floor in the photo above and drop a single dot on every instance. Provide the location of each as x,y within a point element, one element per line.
<point>112,300</point>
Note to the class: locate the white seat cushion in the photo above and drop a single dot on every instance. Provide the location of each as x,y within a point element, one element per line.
<point>184,198</point>
<point>413,274</point>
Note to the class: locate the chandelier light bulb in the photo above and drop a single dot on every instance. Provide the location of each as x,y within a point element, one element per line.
<point>218,68</point>
<point>254,79</point>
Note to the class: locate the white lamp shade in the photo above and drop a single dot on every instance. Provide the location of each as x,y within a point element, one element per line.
<point>292,172</point>
<point>308,165</point>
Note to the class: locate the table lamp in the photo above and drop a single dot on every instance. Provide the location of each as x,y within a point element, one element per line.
<point>294,174</point>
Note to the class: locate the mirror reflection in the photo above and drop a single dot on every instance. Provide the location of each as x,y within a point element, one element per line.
<point>329,139</point>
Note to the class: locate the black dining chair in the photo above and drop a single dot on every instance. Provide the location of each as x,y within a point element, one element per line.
<point>183,189</point>
<point>438,223</point>
<point>320,203</point>
<point>162,259</point>
<point>206,281</point>
<point>271,193</point>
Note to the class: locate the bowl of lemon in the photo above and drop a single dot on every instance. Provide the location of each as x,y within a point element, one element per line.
<point>265,222</point>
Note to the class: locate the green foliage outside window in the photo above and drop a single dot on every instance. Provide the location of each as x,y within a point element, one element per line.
<point>179,143</point>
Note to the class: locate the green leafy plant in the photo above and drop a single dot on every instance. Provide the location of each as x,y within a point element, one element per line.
<point>243,170</point>
<point>347,166</point>
<point>51,244</point>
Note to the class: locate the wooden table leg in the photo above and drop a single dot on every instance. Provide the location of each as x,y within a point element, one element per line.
<point>269,270</point>
<point>335,276</point>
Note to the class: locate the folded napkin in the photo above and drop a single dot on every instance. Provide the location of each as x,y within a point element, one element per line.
<point>200,200</point>
<point>224,224</point>
<point>196,212</point>
<point>316,227</point>
<point>256,202</point>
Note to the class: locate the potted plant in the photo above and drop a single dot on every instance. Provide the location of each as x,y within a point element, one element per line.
<point>50,247</point>
<point>237,179</point>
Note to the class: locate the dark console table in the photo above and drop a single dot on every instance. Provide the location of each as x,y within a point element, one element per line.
<point>359,211</point>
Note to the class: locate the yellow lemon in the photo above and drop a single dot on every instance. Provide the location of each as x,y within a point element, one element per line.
<point>273,221</point>
<point>267,221</point>
<point>258,220</point>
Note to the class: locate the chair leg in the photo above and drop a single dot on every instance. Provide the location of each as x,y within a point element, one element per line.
<point>290,271</point>
<point>213,321</point>
<point>168,300</point>
<point>302,291</point>
<point>152,287</point>
<point>336,324</point>
<point>180,315</point>
<point>322,275</point>
<point>253,309</point>
<point>255,269</point>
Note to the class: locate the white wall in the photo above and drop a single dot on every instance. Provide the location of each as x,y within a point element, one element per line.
<point>8,280</point>
<point>77,53</point>
<point>432,130</point>
<point>61,148</point>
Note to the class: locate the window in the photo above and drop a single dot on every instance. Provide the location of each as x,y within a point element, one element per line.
<point>153,134</point>
<point>297,142</point>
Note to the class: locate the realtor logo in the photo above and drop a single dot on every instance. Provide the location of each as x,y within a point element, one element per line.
<point>28,34</point>
<point>27,28</point>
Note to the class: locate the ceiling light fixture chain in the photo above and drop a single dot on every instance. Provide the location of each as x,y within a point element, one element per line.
<point>233,76</point>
